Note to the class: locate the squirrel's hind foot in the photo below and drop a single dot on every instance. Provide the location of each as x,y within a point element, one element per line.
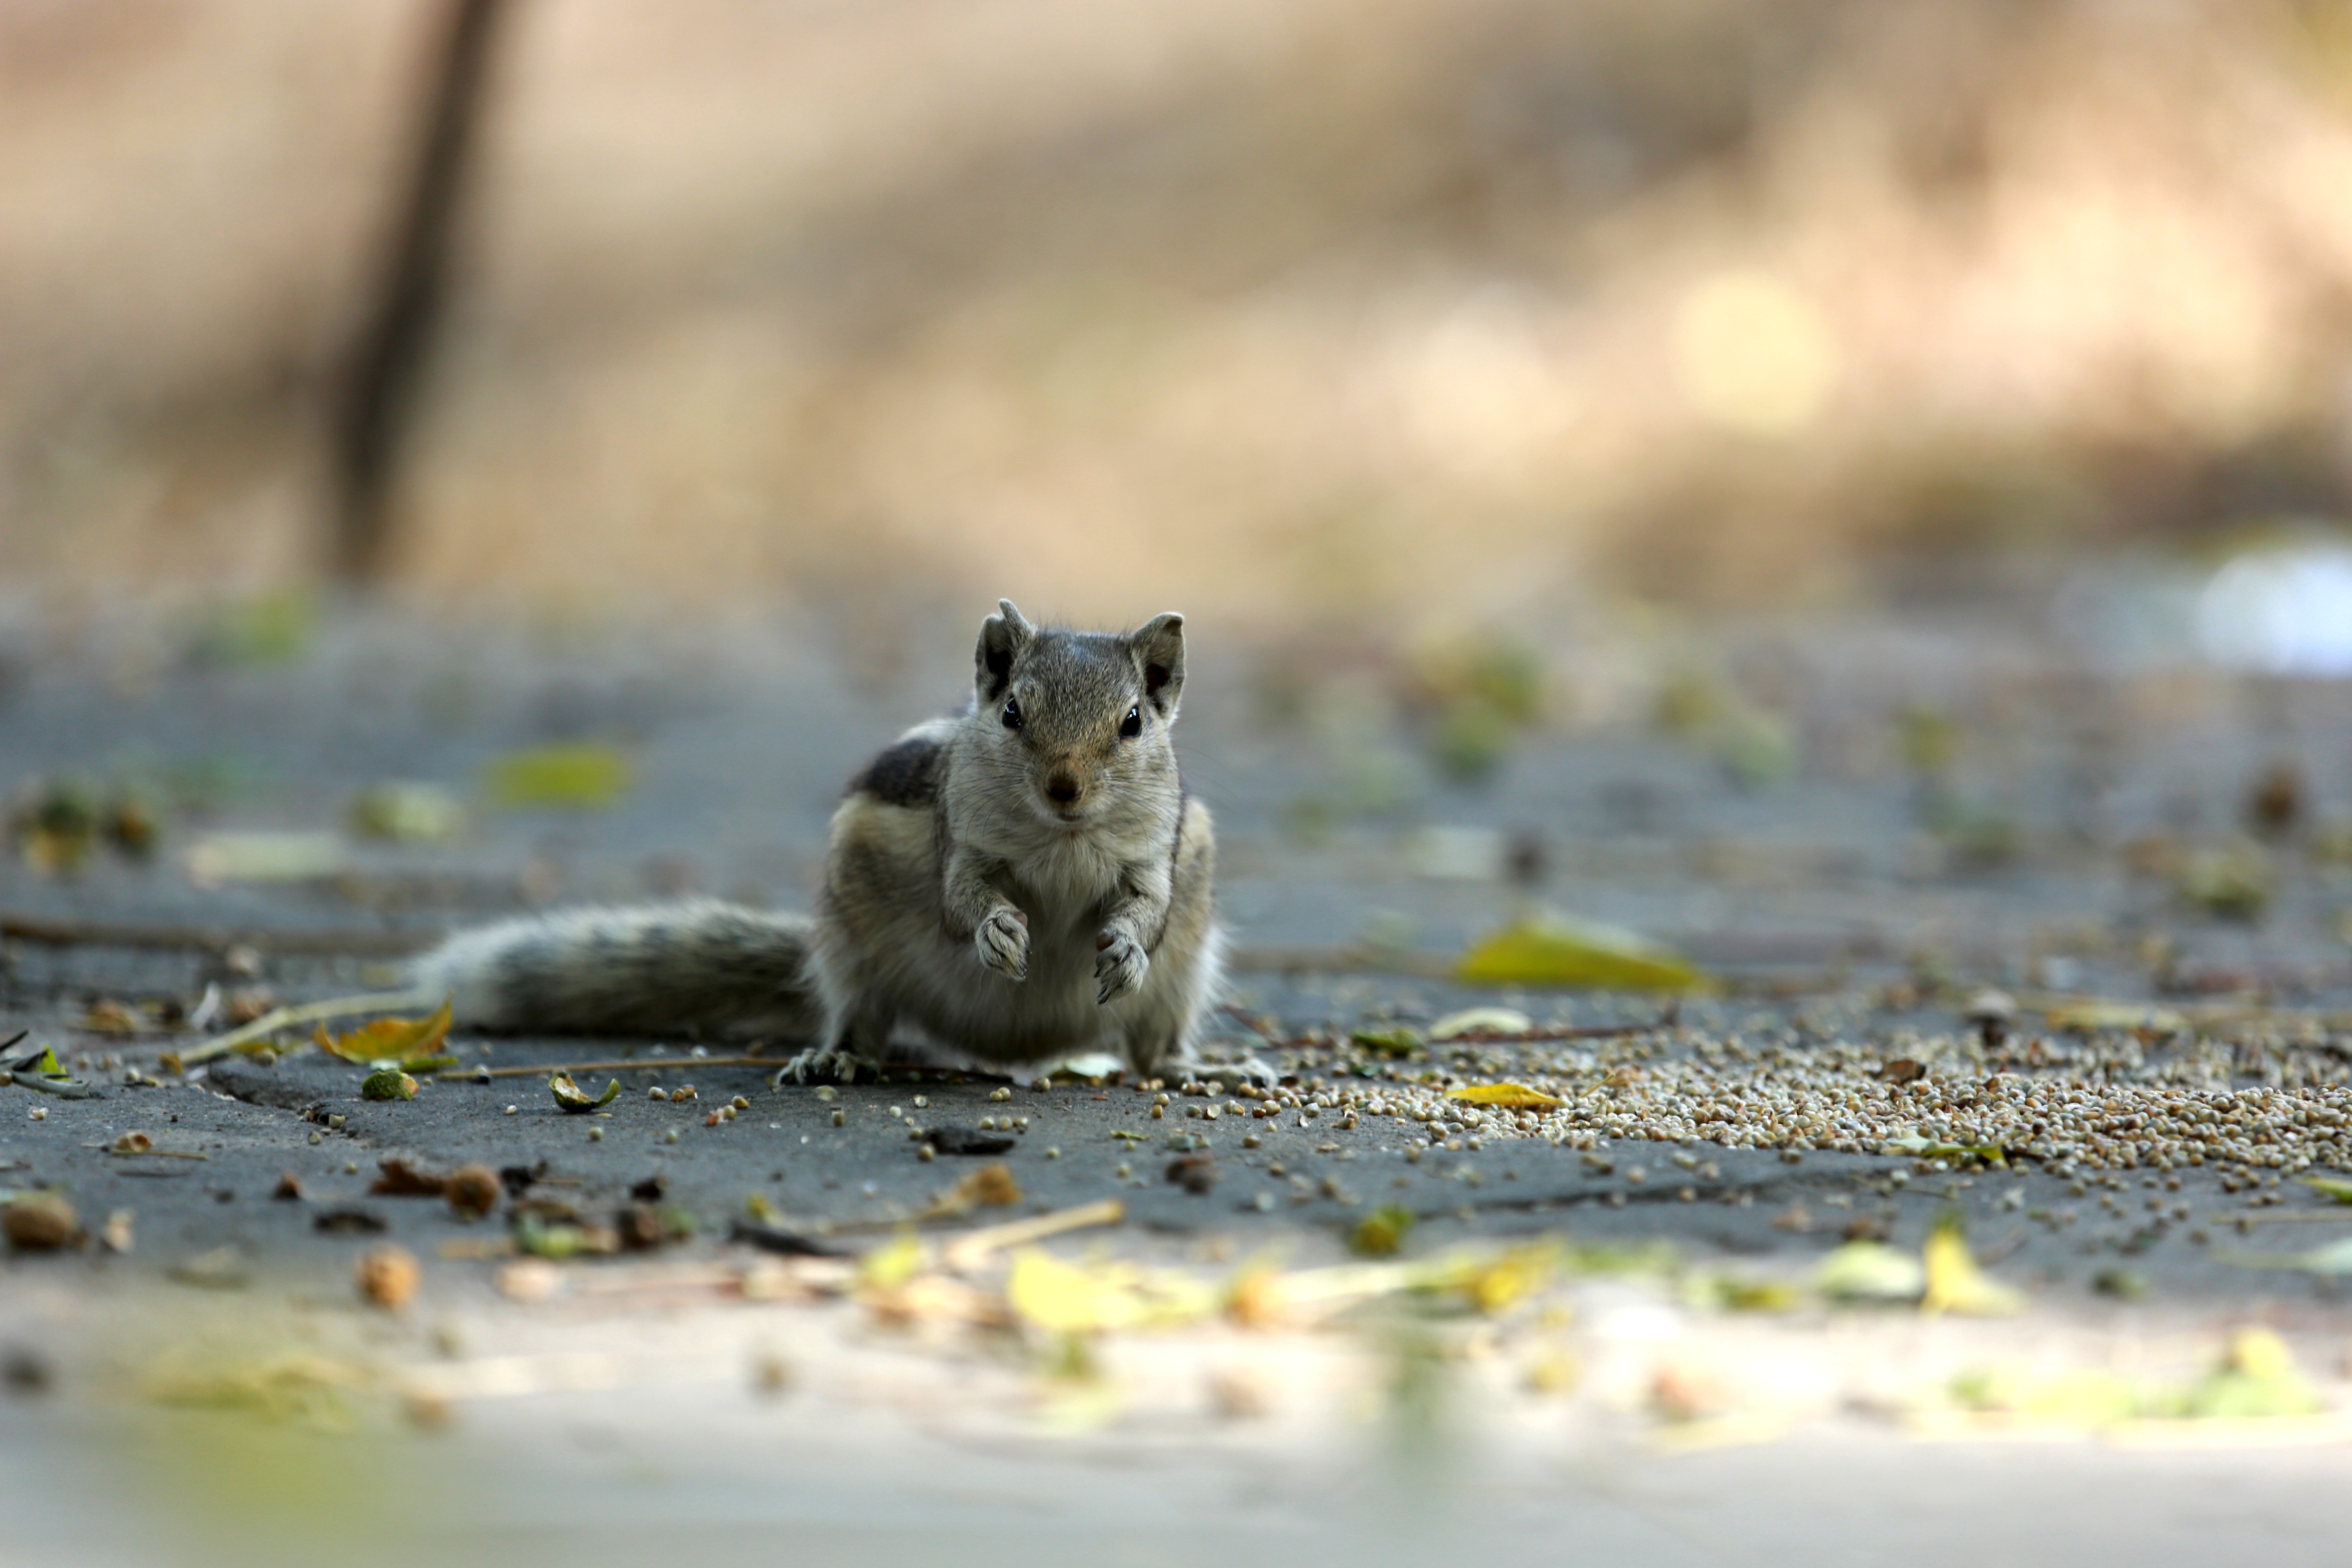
<point>824,1064</point>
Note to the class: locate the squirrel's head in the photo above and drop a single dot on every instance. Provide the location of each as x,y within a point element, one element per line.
<point>1075,714</point>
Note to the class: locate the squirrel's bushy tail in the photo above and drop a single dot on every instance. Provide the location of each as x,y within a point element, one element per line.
<point>699,967</point>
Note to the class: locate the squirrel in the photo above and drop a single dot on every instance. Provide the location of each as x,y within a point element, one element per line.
<point>1022,881</point>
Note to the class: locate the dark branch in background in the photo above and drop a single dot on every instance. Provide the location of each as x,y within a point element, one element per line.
<point>377,398</point>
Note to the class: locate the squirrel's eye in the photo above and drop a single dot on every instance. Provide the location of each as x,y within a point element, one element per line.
<point>1012,715</point>
<point>1132,725</point>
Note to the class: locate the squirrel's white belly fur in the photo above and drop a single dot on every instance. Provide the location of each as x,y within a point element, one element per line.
<point>1021,883</point>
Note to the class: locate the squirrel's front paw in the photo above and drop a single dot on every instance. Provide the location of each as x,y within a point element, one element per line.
<point>1003,943</point>
<point>1119,966</point>
<point>818,1065</point>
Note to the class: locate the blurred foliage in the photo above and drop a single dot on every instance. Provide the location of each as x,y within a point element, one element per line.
<point>1392,303</point>
<point>2231,881</point>
<point>575,777</point>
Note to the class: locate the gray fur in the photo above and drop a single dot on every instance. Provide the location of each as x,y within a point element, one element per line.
<point>1013,885</point>
<point>694,968</point>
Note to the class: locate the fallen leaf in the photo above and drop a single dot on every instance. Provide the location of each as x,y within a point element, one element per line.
<point>388,1083</point>
<point>581,777</point>
<point>2082,1396</point>
<point>1380,1233</point>
<point>1481,1021</point>
<point>108,1016</point>
<point>1509,1096</point>
<point>1734,1293</point>
<point>411,1045</point>
<point>539,1238</point>
<point>407,813</point>
<point>305,1388</point>
<point>570,1099</point>
<point>1870,1271</point>
<point>892,1264</point>
<point>1920,1147</point>
<point>2257,1377</point>
<point>1398,1043</point>
<point>261,857</point>
<point>1062,1298</point>
<point>1558,950</point>
<point>1955,1283</point>
<point>1490,1282</point>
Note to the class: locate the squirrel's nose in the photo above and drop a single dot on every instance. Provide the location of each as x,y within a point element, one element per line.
<point>1061,789</point>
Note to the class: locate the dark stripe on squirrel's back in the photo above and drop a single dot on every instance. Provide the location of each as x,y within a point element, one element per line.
<point>905,775</point>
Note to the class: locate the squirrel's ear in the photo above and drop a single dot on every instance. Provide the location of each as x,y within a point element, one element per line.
<point>1002,635</point>
<point>1158,650</point>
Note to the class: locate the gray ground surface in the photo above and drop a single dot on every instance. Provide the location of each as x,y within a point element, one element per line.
<point>1818,895</point>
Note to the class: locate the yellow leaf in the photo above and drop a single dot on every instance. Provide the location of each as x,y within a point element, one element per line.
<point>1062,1298</point>
<point>412,1043</point>
<point>1510,1096</point>
<point>1557,950</point>
<point>581,777</point>
<point>893,1263</point>
<point>1955,1283</point>
<point>1382,1232</point>
<point>1492,1282</point>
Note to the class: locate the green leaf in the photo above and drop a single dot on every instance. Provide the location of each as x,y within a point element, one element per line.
<point>1400,1043</point>
<point>2330,1186</point>
<point>568,1096</point>
<point>1558,950</point>
<point>1380,1233</point>
<point>581,778</point>
<point>388,1083</point>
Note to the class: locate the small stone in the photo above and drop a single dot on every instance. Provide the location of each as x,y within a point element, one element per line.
<point>473,1190</point>
<point>388,1276</point>
<point>40,1222</point>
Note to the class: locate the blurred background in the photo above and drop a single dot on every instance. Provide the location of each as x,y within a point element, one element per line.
<point>1291,314</point>
<point>1921,432</point>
